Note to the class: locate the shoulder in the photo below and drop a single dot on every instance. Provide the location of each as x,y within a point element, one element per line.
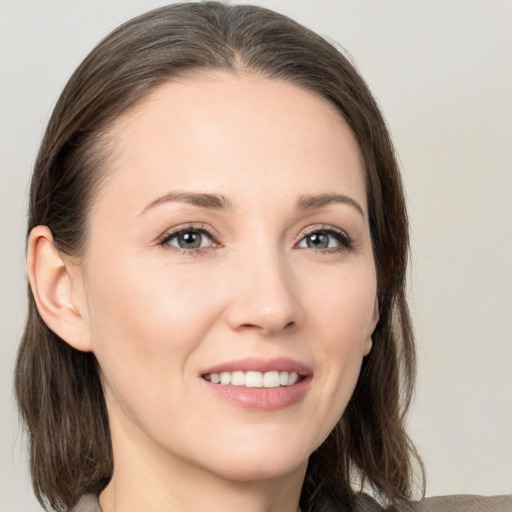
<point>87,503</point>
<point>364,503</point>
<point>463,503</point>
<point>455,503</point>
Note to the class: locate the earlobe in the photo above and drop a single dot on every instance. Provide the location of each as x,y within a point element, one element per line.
<point>52,283</point>
<point>368,346</point>
<point>376,312</point>
<point>376,315</point>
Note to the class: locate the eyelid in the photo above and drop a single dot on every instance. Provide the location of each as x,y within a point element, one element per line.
<point>342,236</point>
<point>171,233</point>
<point>344,240</point>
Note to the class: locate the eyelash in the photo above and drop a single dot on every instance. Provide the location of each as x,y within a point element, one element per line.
<point>346,243</point>
<point>202,230</point>
<point>341,236</point>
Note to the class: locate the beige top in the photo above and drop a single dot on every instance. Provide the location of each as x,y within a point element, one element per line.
<point>456,503</point>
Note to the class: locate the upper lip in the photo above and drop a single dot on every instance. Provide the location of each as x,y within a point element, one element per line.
<point>281,364</point>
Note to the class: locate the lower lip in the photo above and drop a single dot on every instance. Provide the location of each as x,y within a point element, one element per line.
<point>262,399</point>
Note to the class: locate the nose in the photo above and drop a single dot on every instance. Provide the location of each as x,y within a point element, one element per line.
<point>264,295</point>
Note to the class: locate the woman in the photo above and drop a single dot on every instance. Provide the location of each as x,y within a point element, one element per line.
<point>217,251</point>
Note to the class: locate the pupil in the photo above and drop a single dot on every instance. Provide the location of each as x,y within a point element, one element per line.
<point>318,241</point>
<point>190,240</point>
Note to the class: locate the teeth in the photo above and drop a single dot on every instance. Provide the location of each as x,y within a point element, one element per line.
<point>238,379</point>
<point>251,379</point>
<point>271,380</point>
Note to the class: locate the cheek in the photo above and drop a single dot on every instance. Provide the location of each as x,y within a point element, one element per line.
<point>145,325</point>
<point>155,306</point>
<point>344,319</point>
<point>343,306</point>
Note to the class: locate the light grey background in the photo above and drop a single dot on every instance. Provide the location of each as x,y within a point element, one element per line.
<point>442,72</point>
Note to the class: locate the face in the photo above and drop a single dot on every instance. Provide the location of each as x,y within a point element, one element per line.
<point>229,242</point>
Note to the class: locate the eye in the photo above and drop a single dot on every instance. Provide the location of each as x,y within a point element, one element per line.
<point>188,239</point>
<point>325,238</point>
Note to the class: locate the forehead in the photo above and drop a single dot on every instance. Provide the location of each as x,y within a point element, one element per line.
<point>234,132</point>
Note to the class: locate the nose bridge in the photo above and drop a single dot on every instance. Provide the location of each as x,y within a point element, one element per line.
<point>265,296</point>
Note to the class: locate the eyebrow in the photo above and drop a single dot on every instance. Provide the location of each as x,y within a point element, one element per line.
<point>203,200</point>
<point>220,202</point>
<point>311,202</point>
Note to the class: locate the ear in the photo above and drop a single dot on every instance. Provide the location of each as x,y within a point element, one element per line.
<point>375,319</point>
<point>55,285</point>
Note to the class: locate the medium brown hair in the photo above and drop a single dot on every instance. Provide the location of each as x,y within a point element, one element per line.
<point>58,388</point>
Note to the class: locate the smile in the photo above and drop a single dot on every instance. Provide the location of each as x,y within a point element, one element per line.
<point>253,379</point>
<point>257,384</point>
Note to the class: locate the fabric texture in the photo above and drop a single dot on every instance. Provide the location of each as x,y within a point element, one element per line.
<point>88,503</point>
<point>456,503</point>
<point>452,503</point>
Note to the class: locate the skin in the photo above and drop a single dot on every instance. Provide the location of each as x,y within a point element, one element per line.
<point>157,315</point>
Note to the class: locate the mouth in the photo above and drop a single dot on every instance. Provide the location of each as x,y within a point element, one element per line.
<point>254,379</point>
<point>259,384</point>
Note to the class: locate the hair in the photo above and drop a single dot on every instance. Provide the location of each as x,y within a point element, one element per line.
<point>58,388</point>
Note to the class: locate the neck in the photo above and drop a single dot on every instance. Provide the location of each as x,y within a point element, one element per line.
<point>145,479</point>
<point>249,497</point>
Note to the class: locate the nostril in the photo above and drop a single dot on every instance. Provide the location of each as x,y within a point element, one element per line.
<point>266,328</point>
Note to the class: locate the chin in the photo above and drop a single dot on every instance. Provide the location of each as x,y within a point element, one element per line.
<point>270,469</point>
<point>261,462</point>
